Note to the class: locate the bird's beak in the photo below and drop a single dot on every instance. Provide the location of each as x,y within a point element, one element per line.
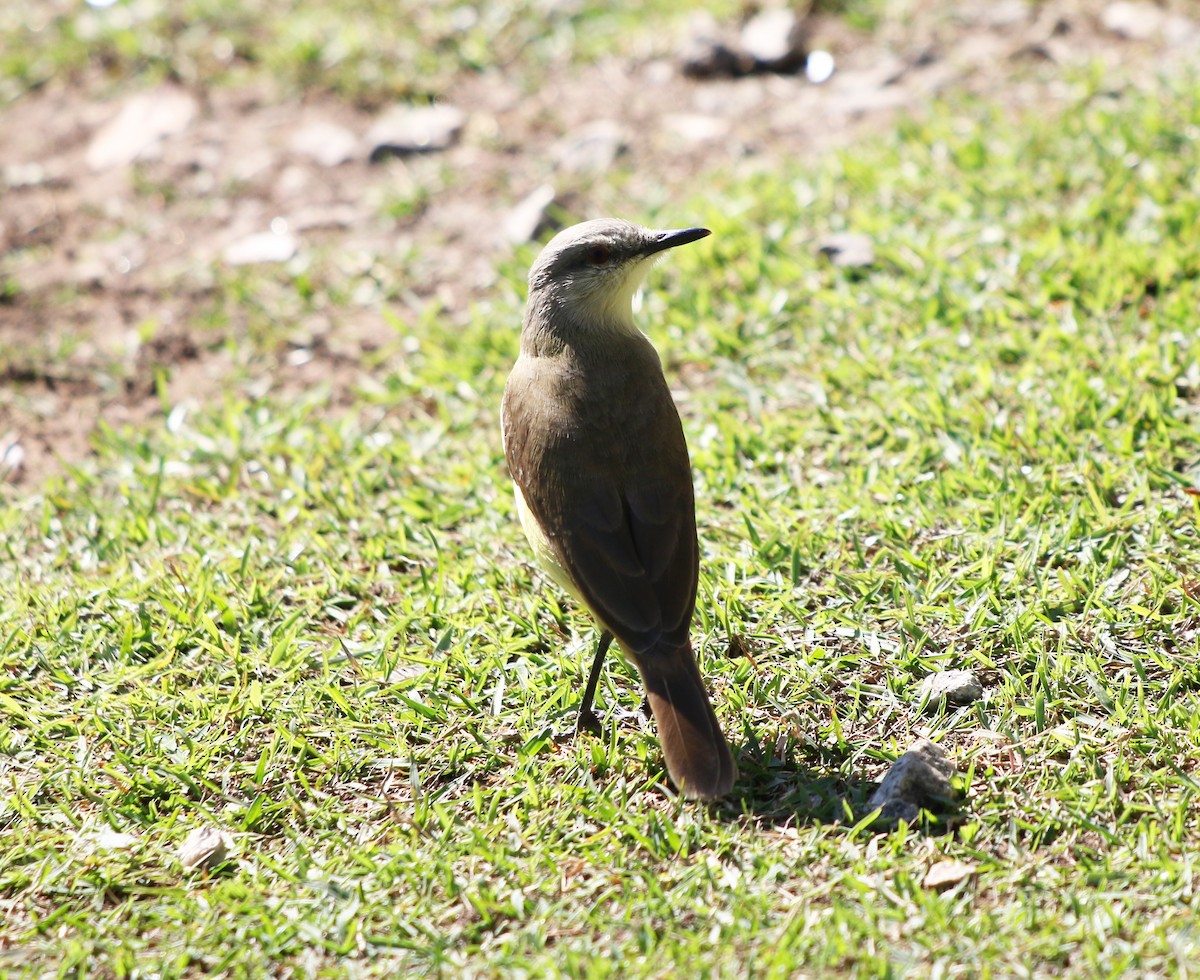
<point>669,239</point>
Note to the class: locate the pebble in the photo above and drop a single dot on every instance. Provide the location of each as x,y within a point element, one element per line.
<point>918,779</point>
<point>955,687</point>
<point>590,149</point>
<point>695,127</point>
<point>819,67</point>
<point>848,249</point>
<point>414,129</point>
<point>12,458</point>
<point>265,246</point>
<point>137,130</point>
<point>1136,20</point>
<point>774,40</point>
<point>326,143</point>
<point>204,847</point>
<point>707,53</point>
<point>526,219</point>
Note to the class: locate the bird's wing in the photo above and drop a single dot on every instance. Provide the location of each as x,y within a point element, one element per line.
<point>631,550</point>
<point>623,530</point>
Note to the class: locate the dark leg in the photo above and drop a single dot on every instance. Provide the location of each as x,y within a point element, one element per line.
<point>587,720</point>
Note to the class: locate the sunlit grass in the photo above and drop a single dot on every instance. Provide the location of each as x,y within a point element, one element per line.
<point>315,626</point>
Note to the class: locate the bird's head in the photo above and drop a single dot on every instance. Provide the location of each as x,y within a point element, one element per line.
<point>590,271</point>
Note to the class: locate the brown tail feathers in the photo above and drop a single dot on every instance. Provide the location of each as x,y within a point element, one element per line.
<point>698,757</point>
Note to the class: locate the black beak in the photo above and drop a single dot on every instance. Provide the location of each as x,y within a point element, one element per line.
<point>681,236</point>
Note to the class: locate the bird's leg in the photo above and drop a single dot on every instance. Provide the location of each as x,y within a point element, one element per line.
<point>587,720</point>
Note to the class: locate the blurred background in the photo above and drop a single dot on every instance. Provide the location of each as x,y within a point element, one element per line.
<point>206,193</point>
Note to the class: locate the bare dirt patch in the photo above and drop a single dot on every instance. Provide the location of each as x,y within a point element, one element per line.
<point>112,270</point>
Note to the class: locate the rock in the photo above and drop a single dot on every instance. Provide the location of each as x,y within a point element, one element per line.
<point>591,149</point>
<point>107,839</point>
<point>707,53</point>
<point>919,778</point>
<point>819,67</point>
<point>414,129</point>
<point>326,143</point>
<point>266,246</point>
<point>848,249</point>
<point>12,457</point>
<point>524,221</point>
<point>774,40</point>
<point>204,848</point>
<point>694,127</point>
<point>1135,20</point>
<point>140,126</point>
<point>955,687</point>
<point>1006,13</point>
<point>943,874</point>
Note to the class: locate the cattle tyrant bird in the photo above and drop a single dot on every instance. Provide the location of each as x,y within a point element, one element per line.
<point>603,480</point>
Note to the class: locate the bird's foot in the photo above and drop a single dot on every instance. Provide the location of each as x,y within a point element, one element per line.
<point>588,722</point>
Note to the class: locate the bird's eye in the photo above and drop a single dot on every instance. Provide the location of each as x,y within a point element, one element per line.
<point>598,254</point>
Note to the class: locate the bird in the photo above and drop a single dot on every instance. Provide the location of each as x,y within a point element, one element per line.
<point>603,479</point>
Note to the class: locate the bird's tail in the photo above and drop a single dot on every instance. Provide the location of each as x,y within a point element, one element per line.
<point>698,757</point>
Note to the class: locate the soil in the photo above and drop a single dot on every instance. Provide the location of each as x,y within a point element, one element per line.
<point>110,271</point>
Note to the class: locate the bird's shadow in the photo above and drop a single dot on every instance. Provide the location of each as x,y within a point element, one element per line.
<point>805,786</point>
<point>812,789</point>
<point>775,791</point>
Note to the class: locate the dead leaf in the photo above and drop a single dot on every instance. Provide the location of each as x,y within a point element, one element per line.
<point>945,873</point>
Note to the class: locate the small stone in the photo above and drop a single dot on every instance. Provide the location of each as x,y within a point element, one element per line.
<point>326,143</point>
<point>414,129</point>
<point>955,687</point>
<point>1136,20</point>
<point>204,848</point>
<point>848,249</point>
<point>1007,13</point>
<point>943,874</point>
<point>819,67</point>
<point>707,53</point>
<point>107,839</point>
<point>919,778</point>
<point>12,457</point>
<point>140,126</point>
<point>524,221</point>
<point>266,246</point>
<point>24,175</point>
<point>774,40</point>
<point>591,149</point>
<point>694,127</point>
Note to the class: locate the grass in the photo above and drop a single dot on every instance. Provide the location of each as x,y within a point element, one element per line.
<point>317,628</point>
<point>365,50</point>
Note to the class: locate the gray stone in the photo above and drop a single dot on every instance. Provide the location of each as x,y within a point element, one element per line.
<point>708,53</point>
<point>137,130</point>
<point>414,129</point>
<point>774,40</point>
<point>524,221</point>
<point>918,779</point>
<point>203,848</point>
<point>955,687</point>
<point>326,143</point>
<point>848,249</point>
<point>590,149</point>
<point>819,67</point>
<point>12,458</point>
<point>1136,20</point>
<point>266,246</point>
<point>693,127</point>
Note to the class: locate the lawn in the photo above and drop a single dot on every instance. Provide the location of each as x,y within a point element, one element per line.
<point>315,626</point>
